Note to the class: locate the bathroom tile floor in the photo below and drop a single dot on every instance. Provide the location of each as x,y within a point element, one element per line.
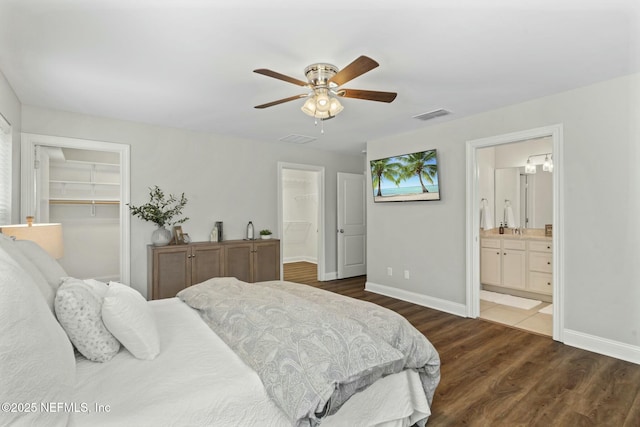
<point>529,320</point>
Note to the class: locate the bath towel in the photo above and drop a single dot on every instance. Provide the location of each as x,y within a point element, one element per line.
<point>486,219</point>
<point>509,219</point>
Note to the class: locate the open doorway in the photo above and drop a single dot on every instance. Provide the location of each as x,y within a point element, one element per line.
<point>474,203</point>
<point>301,216</point>
<point>515,266</point>
<point>84,185</point>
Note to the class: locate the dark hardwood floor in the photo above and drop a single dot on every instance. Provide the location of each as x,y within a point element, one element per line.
<point>494,375</point>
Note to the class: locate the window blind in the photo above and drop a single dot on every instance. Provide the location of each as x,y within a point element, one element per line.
<point>5,171</point>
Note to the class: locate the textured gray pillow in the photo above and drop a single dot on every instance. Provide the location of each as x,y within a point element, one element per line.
<point>45,263</point>
<point>79,311</point>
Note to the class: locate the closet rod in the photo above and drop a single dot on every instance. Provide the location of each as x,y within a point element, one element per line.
<point>83,202</point>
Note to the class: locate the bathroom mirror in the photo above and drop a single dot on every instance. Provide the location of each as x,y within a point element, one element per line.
<point>530,196</point>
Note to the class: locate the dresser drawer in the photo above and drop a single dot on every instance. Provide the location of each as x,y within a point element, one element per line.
<point>540,261</point>
<point>490,243</point>
<point>540,282</point>
<point>520,245</point>
<point>542,246</point>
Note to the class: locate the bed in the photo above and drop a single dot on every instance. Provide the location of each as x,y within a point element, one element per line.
<point>203,376</point>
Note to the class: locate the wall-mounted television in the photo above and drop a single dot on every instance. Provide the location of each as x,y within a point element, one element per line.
<point>406,178</point>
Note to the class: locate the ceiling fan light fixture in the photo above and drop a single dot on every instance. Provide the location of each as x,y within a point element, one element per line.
<point>322,106</point>
<point>309,107</point>
<point>324,81</point>
<point>322,102</point>
<point>335,106</point>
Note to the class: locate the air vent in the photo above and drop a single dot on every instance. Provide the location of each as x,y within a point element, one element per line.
<point>297,139</point>
<point>432,114</point>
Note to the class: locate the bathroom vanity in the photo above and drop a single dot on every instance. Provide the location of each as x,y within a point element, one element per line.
<point>516,264</point>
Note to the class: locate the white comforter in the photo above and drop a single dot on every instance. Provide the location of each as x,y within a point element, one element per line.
<point>198,381</point>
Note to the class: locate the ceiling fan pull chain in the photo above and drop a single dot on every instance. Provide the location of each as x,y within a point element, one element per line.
<point>322,127</point>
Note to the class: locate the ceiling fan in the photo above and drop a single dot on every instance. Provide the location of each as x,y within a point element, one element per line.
<point>324,82</point>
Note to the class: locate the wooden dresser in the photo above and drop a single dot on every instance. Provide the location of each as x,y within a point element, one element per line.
<point>175,267</point>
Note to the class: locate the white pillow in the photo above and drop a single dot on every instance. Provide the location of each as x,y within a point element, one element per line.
<point>79,310</point>
<point>98,288</point>
<point>9,245</point>
<point>36,357</point>
<point>46,264</point>
<point>128,317</point>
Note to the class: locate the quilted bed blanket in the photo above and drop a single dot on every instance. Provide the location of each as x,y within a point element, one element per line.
<point>312,349</point>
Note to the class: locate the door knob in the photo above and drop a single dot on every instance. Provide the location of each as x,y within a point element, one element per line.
<point>341,230</point>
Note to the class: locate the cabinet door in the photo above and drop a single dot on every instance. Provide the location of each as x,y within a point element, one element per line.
<point>541,282</point>
<point>513,268</point>
<point>490,266</point>
<point>540,261</point>
<point>238,261</point>
<point>206,262</point>
<point>266,261</point>
<point>171,271</point>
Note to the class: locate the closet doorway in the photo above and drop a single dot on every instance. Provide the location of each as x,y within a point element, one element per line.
<point>301,215</point>
<point>84,185</point>
<point>476,186</point>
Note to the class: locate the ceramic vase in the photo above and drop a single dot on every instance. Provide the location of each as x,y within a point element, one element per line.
<point>160,236</point>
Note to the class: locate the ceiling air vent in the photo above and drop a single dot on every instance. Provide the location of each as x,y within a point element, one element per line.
<point>432,114</point>
<point>297,139</point>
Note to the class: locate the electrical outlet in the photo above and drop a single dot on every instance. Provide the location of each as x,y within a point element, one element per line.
<point>406,274</point>
<point>389,271</point>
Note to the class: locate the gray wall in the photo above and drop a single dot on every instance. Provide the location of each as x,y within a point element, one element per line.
<point>225,179</point>
<point>601,206</point>
<point>601,189</point>
<point>10,108</point>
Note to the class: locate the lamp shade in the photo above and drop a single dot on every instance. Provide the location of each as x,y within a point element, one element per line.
<point>47,236</point>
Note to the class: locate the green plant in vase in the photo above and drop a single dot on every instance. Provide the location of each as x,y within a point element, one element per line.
<point>265,234</point>
<point>162,211</point>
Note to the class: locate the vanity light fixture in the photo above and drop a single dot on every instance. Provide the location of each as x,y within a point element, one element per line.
<point>529,168</point>
<point>547,165</point>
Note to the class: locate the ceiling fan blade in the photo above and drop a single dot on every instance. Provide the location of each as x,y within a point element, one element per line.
<point>369,95</point>
<point>281,101</point>
<point>275,75</point>
<point>357,68</point>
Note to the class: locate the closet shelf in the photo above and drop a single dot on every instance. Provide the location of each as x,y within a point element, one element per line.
<point>59,201</point>
<point>84,162</point>
<point>83,182</point>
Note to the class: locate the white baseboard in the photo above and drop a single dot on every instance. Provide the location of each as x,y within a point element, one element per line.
<point>415,298</point>
<point>607,347</point>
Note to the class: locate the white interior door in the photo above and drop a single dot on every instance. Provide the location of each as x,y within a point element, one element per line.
<point>352,257</point>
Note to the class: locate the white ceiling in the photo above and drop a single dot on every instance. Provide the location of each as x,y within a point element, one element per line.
<point>188,63</point>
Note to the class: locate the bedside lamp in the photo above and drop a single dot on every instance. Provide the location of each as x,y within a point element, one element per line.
<point>47,236</point>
